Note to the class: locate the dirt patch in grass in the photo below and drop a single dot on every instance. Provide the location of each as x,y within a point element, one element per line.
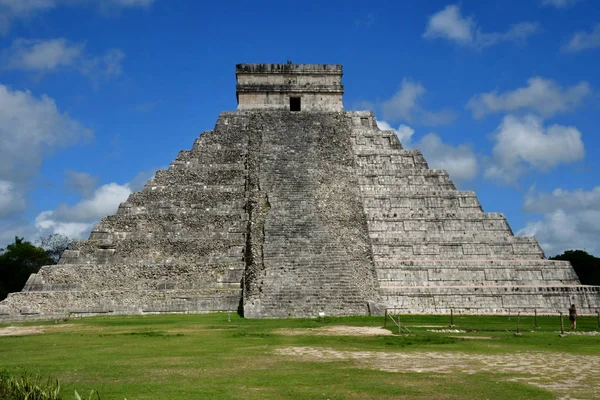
<point>337,330</point>
<point>30,330</point>
<point>568,375</point>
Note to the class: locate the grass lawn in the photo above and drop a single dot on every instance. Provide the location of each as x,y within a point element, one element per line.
<point>206,356</point>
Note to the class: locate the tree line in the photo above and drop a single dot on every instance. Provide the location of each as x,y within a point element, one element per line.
<point>22,258</point>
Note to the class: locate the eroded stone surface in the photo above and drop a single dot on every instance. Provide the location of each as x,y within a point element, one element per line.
<point>280,213</point>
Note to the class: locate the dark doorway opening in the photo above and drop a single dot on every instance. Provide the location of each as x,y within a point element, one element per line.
<point>294,103</point>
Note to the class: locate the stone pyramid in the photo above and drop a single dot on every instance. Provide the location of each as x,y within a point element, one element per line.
<point>290,207</point>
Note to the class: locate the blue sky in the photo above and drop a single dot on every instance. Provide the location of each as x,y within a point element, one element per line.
<point>96,95</point>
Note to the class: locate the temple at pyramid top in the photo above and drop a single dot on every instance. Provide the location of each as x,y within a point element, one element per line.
<point>293,207</point>
<point>294,87</point>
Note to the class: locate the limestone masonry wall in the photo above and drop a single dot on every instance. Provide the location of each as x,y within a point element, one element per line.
<point>280,213</point>
<point>270,86</point>
<point>315,247</point>
<point>176,246</point>
<point>434,248</point>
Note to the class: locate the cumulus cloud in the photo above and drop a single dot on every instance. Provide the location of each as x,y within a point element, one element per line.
<point>138,181</point>
<point>15,9</point>
<point>40,55</point>
<point>43,56</point>
<point>584,40</point>
<point>80,182</point>
<point>77,221</point>
<point>569,219</point>
<point>405,105</point>
<point>523,143</point>
<point>18,227</point>
<point>459,161</point>
<point>31,127</point>
<point>543,96</point>
<point>450,24</point>
<point>559,3</point>
<point>517,33</point>
<point>404,132</point>
<point>11,199</point>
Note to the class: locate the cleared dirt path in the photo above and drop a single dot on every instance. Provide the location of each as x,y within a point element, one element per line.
<point>569,376</point>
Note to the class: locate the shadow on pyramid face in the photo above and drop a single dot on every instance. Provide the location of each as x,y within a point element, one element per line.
<point>292,207</point>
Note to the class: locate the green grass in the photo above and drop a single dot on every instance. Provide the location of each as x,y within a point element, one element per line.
<point>205,356</point>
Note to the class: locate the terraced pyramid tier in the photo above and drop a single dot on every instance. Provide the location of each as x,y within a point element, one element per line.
<point>277,213</point>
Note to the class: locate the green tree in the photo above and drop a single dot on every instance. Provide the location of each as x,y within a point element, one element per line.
<point>586,265</point>
<point>17,262</point>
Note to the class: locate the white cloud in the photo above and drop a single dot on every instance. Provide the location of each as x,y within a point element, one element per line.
<point>543,96</point>
<point>15,9</point>
<point>80,182</point>
<point>404,132</point>
<point>50,55</point>
<point>459,161</point>
<point>139,181</point>
<point>405,105</point>
<point>570,219</point>
<point>47,225</point>
<point>517,33</point>
<point>523,142</point>
<point>10,229</point>
<point>584,40</point>
<point>107,66</point>
<point>104,201</point>
<point>559,3</point>
<point>24,7</point>
<point>76,221</point>
<point>11,199</point>
<point>30,128</point>
<point>41,55</point>
<point>20,7</point>
<point>450,24</point>
<point>564,199</point>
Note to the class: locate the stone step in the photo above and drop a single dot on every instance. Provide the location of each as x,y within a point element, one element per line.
<point>432,215</point>
<point>486,263</point>
<point>62,304</point>
<point>190,250</point>
<point>476,275</point>
<point>185,196</point>
<point>197,176</point>
<point>169,225</point>
<point>406,172</point>
<point>234,207</point>
<point>134,276</point>
<point>493,299</point>
<point>420,228</point>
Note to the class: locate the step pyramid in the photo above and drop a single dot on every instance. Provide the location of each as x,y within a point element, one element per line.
<point>291,207</point>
